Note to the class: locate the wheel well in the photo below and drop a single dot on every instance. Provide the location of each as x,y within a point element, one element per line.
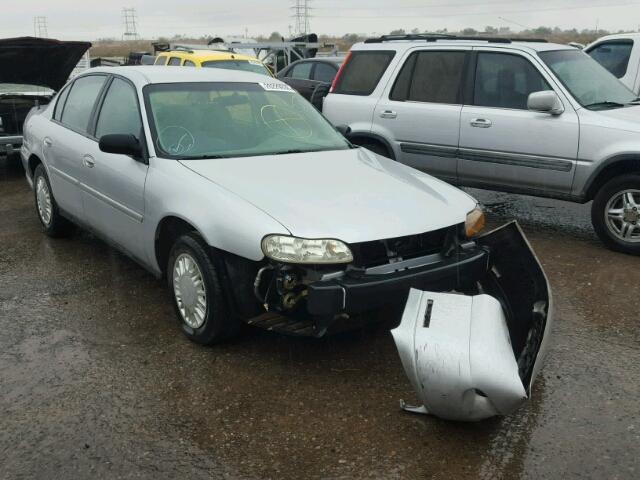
<point>34,161</point>
<point>614,169</point>
<point>360,139</point>
<point>168,231</point>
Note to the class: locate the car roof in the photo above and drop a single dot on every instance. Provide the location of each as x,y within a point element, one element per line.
<point>206,55</point>
<point>322,59</point>
<point>403,45</point>
<point>143,75</point>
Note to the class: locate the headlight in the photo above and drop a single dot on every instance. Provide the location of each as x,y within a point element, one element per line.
<point>302,250</point>
<point>474,223</point>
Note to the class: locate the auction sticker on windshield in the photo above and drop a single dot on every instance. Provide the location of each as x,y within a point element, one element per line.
<point>276,87</point>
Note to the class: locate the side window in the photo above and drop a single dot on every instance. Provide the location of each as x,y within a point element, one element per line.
<point>434,77</point>
<point>79,105</point>
<point>119,112</point>
<point>324,72</point>
<point>174,61</point>
<point>302,71</point>
<point>362,72</point>
<point>614,56</point>
<point>62,98</point>
<point>188,63</point>
<point>506,81</point>
<point>161,61</point>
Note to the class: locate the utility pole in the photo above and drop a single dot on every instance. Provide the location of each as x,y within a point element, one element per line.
<point>301,15</point>
<point>40,27</point>
<point>130,24</point>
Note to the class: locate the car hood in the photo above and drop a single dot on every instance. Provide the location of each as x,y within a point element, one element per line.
<point>627,118</point>
<point>353,195</point>
<point>39,61</point>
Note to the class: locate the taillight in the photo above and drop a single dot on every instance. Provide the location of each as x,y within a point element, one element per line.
<point>340,70</point>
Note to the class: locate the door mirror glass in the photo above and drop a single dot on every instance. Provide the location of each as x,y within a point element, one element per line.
<point>122,144</point>
<point>546,101</point>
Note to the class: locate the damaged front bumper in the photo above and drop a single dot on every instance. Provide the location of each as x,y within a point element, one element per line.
<point>475,355</point>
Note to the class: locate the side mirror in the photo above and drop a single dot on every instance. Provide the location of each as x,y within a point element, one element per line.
<point>123,144</point>
<point>345,130</point>
<point>546,101</point>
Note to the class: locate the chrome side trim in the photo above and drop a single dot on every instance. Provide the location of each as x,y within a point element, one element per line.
<point>64,176</point>
<point>517,159</point>
<point>111,202</point>
<point>444,151</point>
<point>490,156</point>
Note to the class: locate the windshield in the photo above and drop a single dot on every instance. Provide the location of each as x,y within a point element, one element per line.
<point>212,120</point>
<point>592,85</point>
<point>244,65</point>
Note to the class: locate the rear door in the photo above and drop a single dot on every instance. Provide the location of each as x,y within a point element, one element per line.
<point>114,193</point>
<point>67,140</point>
<point>420,111</point>
<point>505,146</point>
<point>299,76</point>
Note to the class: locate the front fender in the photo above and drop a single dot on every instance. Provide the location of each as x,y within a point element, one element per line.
<point>224,220</point>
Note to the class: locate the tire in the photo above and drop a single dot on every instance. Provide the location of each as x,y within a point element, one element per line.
<point>321,91</point>
<point>375,147</point>
<point>53,223</point>
<point>618,231</point>
<point>208,324</point>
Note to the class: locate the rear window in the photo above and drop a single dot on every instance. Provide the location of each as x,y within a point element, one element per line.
<point>363,71</point>
<point>431,76</point>
<point>79,105</point>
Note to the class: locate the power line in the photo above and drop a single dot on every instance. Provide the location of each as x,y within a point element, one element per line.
<point>130,24</point>
<point>40,27</point>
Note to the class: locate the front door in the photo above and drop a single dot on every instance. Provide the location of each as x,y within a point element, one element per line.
<point>113,196</point>
<point>503,145</point>
<point>420,111</point>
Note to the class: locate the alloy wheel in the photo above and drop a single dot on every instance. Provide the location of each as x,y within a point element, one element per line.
<point>622,215</point>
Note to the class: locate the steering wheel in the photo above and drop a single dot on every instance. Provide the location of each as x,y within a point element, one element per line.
<point>176,140</point>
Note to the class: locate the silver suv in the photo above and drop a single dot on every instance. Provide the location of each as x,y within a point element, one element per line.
<point>518,116</point>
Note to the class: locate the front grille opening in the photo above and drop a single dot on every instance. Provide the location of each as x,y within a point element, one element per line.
<point>381,252</point>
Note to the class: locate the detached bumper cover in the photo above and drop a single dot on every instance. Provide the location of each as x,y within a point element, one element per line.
<point>355,293</point>
<point>473,357</point>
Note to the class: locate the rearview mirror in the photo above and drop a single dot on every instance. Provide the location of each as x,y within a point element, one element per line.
<point>345,130</point>
<point>546,101</point>
<point>123,144</point>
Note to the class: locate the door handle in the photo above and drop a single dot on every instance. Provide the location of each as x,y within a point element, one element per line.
<point>47,142</point>
<point>88,161</point>
<point>388,114</point>
<point>481,123</point>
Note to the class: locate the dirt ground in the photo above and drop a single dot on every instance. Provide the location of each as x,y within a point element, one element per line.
<point>96,380</point>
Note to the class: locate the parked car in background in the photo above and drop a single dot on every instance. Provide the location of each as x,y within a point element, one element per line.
<point>620,54</point>
<point>306,75</point>
<point>33,69</point>
<point>211,59</point>
<point>519,116</point>
<point>257,210</point>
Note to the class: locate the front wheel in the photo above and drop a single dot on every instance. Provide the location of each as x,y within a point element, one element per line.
<point>198,297</point>
<point>615,214</point>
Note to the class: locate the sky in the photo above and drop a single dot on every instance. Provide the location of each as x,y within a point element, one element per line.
<point>93,19</point>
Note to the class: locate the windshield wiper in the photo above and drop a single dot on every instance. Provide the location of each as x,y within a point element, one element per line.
<point>605,104</point>
<point>201,157</point>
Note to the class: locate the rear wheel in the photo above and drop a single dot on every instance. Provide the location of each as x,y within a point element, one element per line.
<point>198,297</point>
<point>54,224</point>
<point>615,214</point>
